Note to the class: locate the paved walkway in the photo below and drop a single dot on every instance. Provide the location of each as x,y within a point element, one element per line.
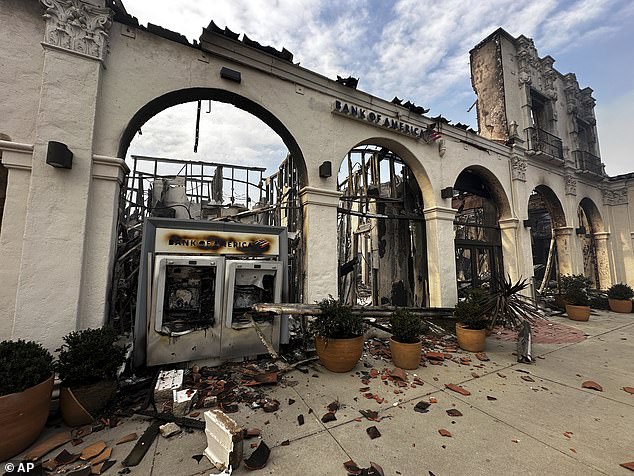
<point>518,419</point>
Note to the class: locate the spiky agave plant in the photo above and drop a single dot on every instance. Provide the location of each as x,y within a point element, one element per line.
<point>507,307</point>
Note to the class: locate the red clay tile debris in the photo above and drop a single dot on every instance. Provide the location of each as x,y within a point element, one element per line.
<point>629,390</point>
<point>398,373</point>
<point>352,468</point>
<point>259,457</point>
<point>501,375</point>
<point>444,432</point>
<point>370,415</point>
<point>568,434</point>
<point>93,450</point>
<point>435,356</point>
<point>454,412</point>
<point>251,433</point>
<point>482,356</point>
<point>592,385</point>
<point>475,375</point>
<point>458,389</point>
<point>422,407</point>
<point>328,417</point>
<point>490,398</point>
<point>629,465</point>
<point>373,432</point>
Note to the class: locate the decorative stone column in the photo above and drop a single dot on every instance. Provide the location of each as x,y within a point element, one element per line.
<point>441,256</point>
<point>603,258</point>
<point>510,242</point>
<point>17,159</point>
<point>320,240</point>
<point>563,238</point>
<point>51,270</point>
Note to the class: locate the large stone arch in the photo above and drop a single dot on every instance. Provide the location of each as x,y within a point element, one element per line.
<point>495,253</point>
<point>597,239</point>
<point>181,96</point>
<point>560,232</point>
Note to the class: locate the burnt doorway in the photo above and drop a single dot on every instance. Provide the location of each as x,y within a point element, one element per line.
<point>478,243</point>
<point>545,217</point>
<point>382,250</point>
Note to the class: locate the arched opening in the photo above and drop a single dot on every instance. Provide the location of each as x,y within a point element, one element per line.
<point>545,217</point>
<point>593,241</point>
<point>480,202</point>
<point>382,248</point>
<point>244,167</point>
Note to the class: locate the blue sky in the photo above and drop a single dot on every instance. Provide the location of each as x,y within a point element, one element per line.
<point>416,50</point>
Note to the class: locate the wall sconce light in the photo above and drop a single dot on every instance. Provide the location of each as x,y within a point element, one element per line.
<point>325,169</point>
<point>447,192</point>
<point>581,230</point>
<point>230,74</point>
<point>58,155</point>
<point>527,223</point>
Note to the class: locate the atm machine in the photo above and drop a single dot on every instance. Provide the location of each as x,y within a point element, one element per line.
<point>197,282</point>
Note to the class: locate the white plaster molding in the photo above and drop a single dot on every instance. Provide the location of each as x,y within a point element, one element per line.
<point>509,223</point>
<point>20,156</point>
<point>109,168</point>
<point>601,235</point>
<point>76,26</point>
<point>319,196</point>
<point>440,213</point>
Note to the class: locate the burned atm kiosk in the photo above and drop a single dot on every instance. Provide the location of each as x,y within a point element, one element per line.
<point>197,282</point>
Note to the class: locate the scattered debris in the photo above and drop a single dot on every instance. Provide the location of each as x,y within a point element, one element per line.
<point>127,438</point>
<point>370,415</point>
<point>592,385</point>
<point>373,432</point>
<point>169,429</point>
<point>501,375</point>
<point>102,467</point>
<point>454,412</point>
<point>252,433</point>
<point>182,401</point>
<point>328,417</point>
<point>167,383</point>
<point>300,420</point>
<point>629,465</point>
<point>437,356</point>
<point>142,445</point>
<point>527,378</point>
<point>422,407</point>
<point>259,457</point>
<point>224,440</point>
<point>475,375</point>
<point>568,434</point>
<point>515,441</point>
<point>444,432</point>
<point>334,406</point>
<point>46,446</point>
<point>482,356</point>
<point>458,389</point>
<point>629,390</point>
<point>285,443</point>
<point>103,456</point>
<point>490,398</point>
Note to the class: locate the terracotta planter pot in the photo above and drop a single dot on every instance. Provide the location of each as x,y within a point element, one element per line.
<point>473,340</point>
<point>81,405</point>
<point>22,418</point>
<point>339,355</point>
<point>620,305</point>
<point>405,356</point>
<point>578,313</point>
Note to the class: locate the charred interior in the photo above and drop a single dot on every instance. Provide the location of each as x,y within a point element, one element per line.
<point>381,230</point>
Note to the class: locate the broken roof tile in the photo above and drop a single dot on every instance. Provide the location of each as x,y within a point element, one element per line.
<point>592,385</point>
<point>458,389</point>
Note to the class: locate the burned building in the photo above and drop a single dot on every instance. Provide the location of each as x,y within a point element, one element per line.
<point>382,204</point>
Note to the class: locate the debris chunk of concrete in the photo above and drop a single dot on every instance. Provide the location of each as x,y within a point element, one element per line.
<point>168,381</point>
<point>224,440</point>
<point>169,429</point>
<point>183,400</point>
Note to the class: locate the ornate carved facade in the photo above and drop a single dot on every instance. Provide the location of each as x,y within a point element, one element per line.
<point>77,26</point>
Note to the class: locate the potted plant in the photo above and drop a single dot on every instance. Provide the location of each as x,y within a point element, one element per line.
<point>577,304</point>
<point>405,343</point>
<point>620,297</point>
<point>87,365</point>
<point>338,335</point>
<point>473,323</point>
<point>26,383</point>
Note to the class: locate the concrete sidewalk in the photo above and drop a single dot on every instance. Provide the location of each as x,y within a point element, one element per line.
<point>547,426</point>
